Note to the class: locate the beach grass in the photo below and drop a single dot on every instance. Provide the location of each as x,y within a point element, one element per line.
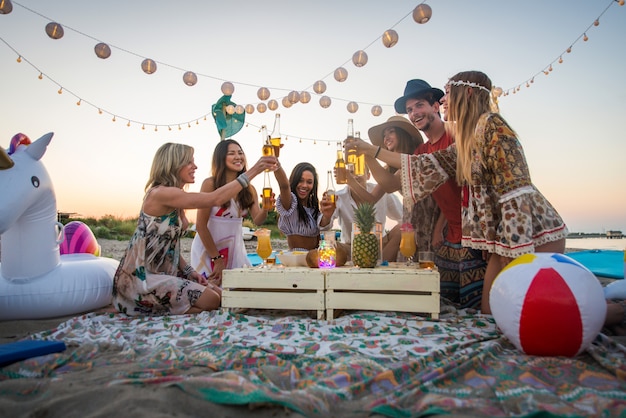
<point>121,229</point>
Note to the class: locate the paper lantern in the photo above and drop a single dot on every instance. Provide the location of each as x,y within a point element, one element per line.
<point>272,105</point>
<point>293,97</point>
<point>325,101</point>
<point>359,58</point>
<point>54,30</point>
<point>228,88</point>
<point>190,78</point>
<point>548,304</point>
<point>377,110</point>
<point>319,87</point>
<point>305,97</point>
<point>422,13</point>
<point>102,50</point>
<point>239,109</point>
<point>261,107</point>
<point>352,107</point>
<point>390,38</point>
<point>341,74</point>
<point>6,7</point>
<point>148,66</point>
<point>249,109</point>
<point>79,239</point>
<point>286,102</point>
<point>263,93</point>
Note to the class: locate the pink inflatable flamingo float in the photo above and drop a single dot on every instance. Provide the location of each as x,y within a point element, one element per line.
<point>36,281</point>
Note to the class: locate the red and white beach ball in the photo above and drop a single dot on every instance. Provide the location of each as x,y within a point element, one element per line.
<point>548,304</point>
<point>79,239</point>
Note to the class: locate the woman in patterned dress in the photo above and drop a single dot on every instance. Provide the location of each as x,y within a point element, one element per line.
<point>153,278</point>
<point>503,213</point>
<point>218,243</point>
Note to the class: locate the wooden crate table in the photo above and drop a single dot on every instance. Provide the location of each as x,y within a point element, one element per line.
<point>299,288</point>
<point>393,288</point>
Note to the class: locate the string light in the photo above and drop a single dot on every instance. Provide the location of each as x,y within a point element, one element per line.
<point>421,14</point>
<point>103,50</point>
<point>583,36</point>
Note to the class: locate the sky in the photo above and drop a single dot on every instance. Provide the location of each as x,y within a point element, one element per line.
<point>570,122</point>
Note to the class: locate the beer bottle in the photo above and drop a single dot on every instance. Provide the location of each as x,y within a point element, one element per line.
<point>359,165</point>
<point>275,136</point>
<point>351,152</point>
<point>340,168</point>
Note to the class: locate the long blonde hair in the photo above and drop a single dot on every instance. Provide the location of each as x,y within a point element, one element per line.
<point>166,165</point>
<point>466,104</point>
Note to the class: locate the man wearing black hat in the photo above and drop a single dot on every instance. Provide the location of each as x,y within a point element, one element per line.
<point>461,270</point>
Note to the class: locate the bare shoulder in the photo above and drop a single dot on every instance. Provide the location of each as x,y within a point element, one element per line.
<point>162,200</point>
<point>208,185</point>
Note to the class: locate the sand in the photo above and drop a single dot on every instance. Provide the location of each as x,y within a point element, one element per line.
<point>85,394</point>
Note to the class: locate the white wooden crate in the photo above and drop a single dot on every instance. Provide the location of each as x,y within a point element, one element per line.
<point>383,289</point>
<point>299,288</point>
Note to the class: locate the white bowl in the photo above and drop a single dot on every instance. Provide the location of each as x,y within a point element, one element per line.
<point>292,259</point>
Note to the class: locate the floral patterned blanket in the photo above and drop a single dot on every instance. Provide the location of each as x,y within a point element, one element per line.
<point>392,364</point>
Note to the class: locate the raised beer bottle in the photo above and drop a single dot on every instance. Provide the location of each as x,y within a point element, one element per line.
<point>275,136</point>
<point>350,152</point>
<point>268,149</point>
<point>330,188</point>
<point>340,168</point>
<point>359,165</point>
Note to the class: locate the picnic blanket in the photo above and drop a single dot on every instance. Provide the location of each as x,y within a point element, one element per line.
<point>393,364</point>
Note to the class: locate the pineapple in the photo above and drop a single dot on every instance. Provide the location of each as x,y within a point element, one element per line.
<point>365,245</point>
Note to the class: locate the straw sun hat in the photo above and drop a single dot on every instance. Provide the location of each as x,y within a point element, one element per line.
<point>376,132</point>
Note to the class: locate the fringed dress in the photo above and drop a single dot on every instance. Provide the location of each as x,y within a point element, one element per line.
<point>502,211</point>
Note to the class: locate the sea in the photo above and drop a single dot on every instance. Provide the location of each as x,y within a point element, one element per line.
<point>595,244</point>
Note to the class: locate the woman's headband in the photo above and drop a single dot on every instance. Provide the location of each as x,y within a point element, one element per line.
<point>468,83</point>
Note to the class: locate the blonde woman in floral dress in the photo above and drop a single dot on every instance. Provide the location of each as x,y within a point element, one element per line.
<point>153,278</point>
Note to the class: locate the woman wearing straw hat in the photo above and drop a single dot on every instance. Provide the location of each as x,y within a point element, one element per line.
<point>399,135</point>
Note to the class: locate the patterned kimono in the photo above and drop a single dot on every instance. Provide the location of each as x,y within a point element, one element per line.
<point>148,280</point>
<point>502,211</point>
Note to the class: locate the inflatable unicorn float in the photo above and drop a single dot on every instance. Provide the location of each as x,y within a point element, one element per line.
<point>36,280</point>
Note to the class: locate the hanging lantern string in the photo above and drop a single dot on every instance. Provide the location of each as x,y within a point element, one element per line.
<point>130,121</point>
<point>559,59</point>
<point>87,102</point>
<point>208,75</point>
<point>100,110</point>
<point>364,49</point>
<point>300,138</point>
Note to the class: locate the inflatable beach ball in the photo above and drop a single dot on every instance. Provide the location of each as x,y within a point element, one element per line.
<point>548,304</point>
<point>79,240</point>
